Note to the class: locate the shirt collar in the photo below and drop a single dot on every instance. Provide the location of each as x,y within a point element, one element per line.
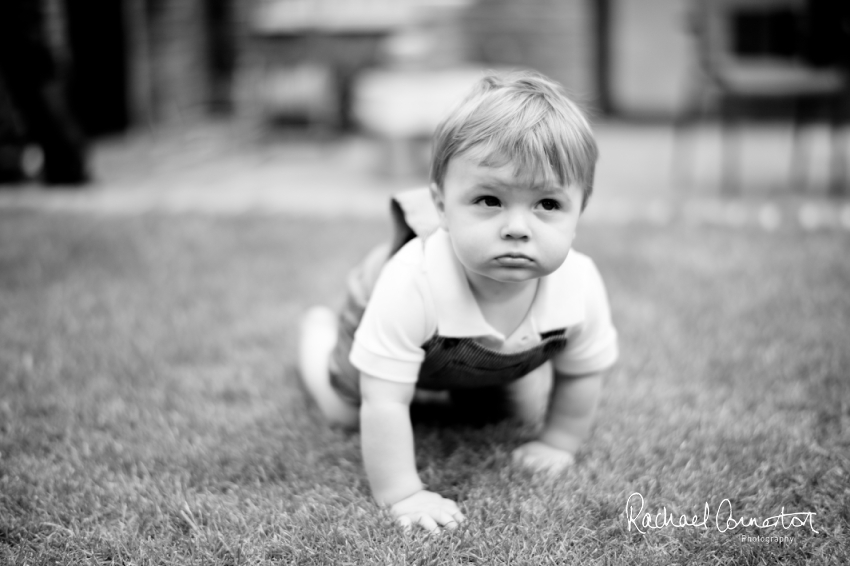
<point>557,304</point>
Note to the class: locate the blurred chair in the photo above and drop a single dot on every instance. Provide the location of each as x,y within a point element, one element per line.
<point>425,70</point>
<point>751,55</point>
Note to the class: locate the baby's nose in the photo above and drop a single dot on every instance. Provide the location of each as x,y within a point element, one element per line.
<point>516,227</point>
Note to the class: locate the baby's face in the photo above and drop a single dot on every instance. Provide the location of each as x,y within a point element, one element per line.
<point>505,228</point>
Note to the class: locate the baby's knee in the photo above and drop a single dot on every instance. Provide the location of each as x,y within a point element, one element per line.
<point>529,396</point>
<point>347,418</point>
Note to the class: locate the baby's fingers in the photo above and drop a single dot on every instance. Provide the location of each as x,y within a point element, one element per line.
<point>424,521</point>
<point>451,508</point>
<point>450,521</point>
<point>540,458</point>
<point>459,517</point>
<point>432,522</point>
<point>429,524</point>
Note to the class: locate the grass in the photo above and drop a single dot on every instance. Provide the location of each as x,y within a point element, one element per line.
<point>149,411</point>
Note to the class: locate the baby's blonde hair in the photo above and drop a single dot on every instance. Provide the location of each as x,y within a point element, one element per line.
<point>522,118</point>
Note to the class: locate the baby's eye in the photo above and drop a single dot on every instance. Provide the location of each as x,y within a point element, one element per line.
<point>550,204</point>
<point>488,201</point>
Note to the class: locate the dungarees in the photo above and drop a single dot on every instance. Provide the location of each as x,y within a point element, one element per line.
<point>450,363</point>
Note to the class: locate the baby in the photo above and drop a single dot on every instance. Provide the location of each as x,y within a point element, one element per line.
<point>480,293</point>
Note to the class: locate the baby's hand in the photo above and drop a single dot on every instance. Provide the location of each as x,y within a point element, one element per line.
<point>540,457</point>
<point>429,510</point>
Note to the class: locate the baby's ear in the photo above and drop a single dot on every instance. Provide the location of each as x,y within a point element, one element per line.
<point>439,203</point>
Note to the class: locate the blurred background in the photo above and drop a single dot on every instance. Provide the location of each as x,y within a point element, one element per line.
<point>701,97</point>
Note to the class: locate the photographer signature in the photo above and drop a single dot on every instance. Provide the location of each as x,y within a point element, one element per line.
<point>724,518</point>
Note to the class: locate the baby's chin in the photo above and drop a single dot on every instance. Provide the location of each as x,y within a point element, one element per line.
<point>515,275</point>
<point>509,274</point>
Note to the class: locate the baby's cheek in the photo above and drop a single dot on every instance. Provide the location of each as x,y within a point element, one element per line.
<point>469,251</point>
<point>556,255</point>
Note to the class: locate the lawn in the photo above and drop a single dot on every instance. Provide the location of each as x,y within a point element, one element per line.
<point>150,413</point>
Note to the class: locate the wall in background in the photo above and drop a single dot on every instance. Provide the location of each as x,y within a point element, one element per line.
<point>650,56</point>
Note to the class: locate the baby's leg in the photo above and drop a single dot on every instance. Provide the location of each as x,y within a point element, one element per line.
<point>528,397</point>
<point>326,340</point>
<point>318,338</point>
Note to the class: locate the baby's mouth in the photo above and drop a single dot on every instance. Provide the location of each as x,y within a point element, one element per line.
<point>514,260</point>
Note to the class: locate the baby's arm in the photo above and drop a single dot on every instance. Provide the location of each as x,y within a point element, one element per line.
<point>573,403</point>
<point>388,455</point>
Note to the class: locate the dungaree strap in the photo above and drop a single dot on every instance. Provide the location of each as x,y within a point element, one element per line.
<point>413,214</point>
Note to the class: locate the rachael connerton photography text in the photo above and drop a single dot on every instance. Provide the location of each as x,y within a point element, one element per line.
<point>723,518</point>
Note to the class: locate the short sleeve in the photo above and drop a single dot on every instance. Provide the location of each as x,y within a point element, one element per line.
<point>592,344</point>
<point>396,322</point>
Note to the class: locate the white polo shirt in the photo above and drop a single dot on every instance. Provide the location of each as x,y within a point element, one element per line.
<point>423,291</point>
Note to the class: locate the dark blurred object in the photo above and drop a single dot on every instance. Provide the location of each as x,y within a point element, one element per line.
<point>33,77</point>
<point>12,140</point>
<point>221,23</point>
<point>97,87</point>
<point>827,34</point>
<point>767,58</point>
<point>180,56</point>
<point>765,33</point>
